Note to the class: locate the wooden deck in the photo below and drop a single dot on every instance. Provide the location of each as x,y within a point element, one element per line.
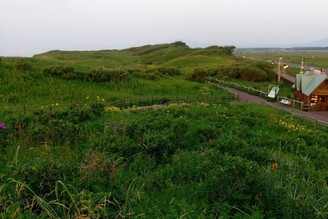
<point>288,78</point>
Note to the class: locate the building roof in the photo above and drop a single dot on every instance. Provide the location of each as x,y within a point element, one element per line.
<point>308,83</point>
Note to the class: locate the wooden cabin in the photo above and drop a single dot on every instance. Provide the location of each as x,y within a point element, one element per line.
<point>311,87</point>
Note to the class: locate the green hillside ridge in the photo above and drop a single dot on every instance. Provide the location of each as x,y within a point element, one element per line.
<point>138,57</point>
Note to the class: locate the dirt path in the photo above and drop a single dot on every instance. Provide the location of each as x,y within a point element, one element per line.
<point>321,116</point>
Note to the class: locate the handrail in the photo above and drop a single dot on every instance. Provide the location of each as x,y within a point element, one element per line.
<point>238,87</point>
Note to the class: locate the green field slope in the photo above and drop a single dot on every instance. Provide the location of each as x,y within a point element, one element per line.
<point>139,133</point>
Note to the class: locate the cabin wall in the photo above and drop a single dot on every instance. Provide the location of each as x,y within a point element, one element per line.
<point>320,96</point>
<point>316,101</point>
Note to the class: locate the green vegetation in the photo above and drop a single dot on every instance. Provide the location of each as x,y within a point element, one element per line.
<point>203,161</point>
<point>68,152</point>
<point>154,70</point>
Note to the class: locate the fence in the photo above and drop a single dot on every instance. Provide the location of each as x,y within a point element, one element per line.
<point>240,87</point>
<point>294,103</point>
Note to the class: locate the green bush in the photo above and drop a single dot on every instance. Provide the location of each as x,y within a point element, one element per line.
<point>148,76</point>
<point>58,71</point>
<point>22,65</point>
<point>165,71</point>
<point>105,75</point>
<point>248,71</point>
<point>64,72</point>
<point>197,75</point>
<point>180,43</point>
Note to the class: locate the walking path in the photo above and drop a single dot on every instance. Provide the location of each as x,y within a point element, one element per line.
<point>319,116</point>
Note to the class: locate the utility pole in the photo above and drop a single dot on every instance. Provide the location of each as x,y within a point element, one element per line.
<point>279,70</point>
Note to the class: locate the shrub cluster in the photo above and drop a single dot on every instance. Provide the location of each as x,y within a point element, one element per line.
<point>104,75</point>
<point>65,72</point>
<point>22,65</point>
<point>214,51</point>
<point>245,71</point>
<point>198,74</point>
<point>154,73</point>
<point>99,74</point>
<point>164,71</point>
<point>248,71</point>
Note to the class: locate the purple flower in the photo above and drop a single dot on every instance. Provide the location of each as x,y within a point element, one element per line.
<point>203,153</point>
<point>3,126</point>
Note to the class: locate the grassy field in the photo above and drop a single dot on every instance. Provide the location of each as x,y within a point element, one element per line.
<point>65,77</point>
<point>147,72</point>
<point>74,155</point>
<point>311,58</point>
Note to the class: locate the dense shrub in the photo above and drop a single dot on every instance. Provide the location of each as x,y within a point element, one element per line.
<point>197,75</point>
<point>165,71</point>
<point>180,43</point>
<point>248,73</point>
<point>214,51</point>
<point>253,71</point>
<point>105,75</point>
<point>58,70</point>
<point>65,72</point>
<point>22,65</point>
<point>148,76</point>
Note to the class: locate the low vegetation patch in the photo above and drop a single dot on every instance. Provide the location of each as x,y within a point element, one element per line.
<point>200,160</point>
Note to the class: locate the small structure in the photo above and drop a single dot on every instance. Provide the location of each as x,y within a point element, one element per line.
<point>274,91</point>
<point>311,88</point>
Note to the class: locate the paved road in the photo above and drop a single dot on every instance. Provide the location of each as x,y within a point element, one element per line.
<point>320,116</point>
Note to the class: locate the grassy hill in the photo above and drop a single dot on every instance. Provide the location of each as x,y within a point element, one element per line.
<point>64,77</point>
<point>179,56</point>
<point>68,152</point>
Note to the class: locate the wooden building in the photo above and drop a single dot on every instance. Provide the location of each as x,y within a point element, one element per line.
<point>311,87</point>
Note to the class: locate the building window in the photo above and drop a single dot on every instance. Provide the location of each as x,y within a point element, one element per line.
<point>314,100</point>
<point>322,99</point>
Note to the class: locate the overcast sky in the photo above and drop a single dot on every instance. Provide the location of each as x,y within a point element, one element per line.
<point>33,26</point>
